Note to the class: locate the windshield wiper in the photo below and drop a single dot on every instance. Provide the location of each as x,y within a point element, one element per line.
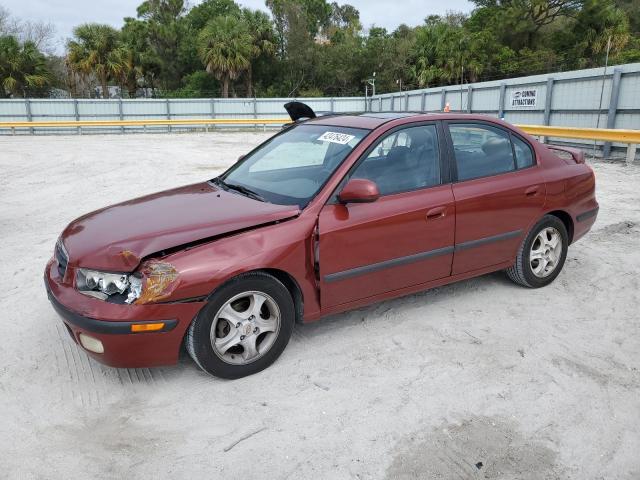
<point>239,188</point>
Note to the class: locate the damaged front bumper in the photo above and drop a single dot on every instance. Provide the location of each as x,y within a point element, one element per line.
<point>104,330</point>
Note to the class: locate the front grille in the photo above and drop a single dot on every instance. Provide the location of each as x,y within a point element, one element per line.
<point>61,258</point>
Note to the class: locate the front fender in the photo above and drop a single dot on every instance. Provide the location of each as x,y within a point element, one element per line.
<point>286,246</point>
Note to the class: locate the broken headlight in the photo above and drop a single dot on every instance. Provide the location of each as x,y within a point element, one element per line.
<point>120,287</point>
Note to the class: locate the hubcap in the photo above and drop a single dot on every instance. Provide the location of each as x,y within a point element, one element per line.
<point>245,328</point>
<point>546,250</point>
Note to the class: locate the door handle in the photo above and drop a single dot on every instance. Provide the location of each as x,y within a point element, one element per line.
<point>532,191</point>
<point>437,212</point>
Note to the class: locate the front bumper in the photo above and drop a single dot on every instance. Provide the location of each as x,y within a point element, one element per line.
<point>111,324</point>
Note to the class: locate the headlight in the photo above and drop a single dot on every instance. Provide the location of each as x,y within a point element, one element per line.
<point>119,286</point>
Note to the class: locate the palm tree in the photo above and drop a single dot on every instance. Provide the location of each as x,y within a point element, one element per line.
<point>23,68</point>
<point>92,52</point>
<point>263,40</point>
<point>126,66</point>
<point>225,47</point>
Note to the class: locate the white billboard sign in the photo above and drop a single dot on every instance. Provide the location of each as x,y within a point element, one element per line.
<point>524,98</point>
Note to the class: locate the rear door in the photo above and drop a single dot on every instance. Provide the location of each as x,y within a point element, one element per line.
<point>499,193</point>
<point>405,237</point>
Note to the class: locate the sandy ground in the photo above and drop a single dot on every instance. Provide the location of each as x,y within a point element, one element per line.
<point>481,379</point>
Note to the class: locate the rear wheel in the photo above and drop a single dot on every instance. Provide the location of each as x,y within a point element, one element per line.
<point>542,254</point>
<point>244,328</point>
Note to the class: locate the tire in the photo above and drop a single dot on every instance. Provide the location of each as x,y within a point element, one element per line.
<point>530,272</point>
<point>263,312</point>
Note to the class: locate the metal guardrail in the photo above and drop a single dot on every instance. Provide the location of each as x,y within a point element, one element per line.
<point>607,135</point>
<point>631,137</point>
<point>144,123</point>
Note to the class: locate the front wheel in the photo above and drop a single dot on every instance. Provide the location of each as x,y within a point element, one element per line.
<point>542,254</point>
<point>244,328</point>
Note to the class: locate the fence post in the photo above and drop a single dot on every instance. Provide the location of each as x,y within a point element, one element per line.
<point>168,115</point>
<point>631,153</point>
<point>121,113</point>
<point>443,100</point>
<point>469,98</point>
<point>613,108</point>
<point>406,102</point>
<point>331,105</point>
<point>255,111</point>
<point>547,106</point>
<point>76,111</point>
<point>213,112</point>
<point>380,104</point>
<point>423,101</point>
<point>503,91</point>
<point>27,106</point>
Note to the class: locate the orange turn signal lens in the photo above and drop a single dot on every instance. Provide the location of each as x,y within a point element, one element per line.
<point>146,327</point>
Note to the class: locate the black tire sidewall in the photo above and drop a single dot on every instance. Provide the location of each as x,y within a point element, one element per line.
<point>530,277</point>
<point>202,347</point>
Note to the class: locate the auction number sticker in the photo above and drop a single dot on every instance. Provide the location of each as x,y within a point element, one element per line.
<point>335,137</point>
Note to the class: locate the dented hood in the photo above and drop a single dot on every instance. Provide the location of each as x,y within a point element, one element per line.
<point>118,237</point>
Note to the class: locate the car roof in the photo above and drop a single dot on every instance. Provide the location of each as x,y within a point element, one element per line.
<point>372,120</point>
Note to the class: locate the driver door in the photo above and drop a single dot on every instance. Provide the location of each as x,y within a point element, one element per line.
<point>404,238</point>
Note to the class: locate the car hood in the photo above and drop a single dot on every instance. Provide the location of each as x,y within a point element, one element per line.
<point>118,237</point>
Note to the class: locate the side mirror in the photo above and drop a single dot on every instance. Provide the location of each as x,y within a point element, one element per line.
<point>241,156</point>
<point>359,190</point>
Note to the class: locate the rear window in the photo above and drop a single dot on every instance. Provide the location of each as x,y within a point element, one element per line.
<point>481,150</point>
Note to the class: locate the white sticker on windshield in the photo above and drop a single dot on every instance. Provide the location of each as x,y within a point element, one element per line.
<point>335,137</point>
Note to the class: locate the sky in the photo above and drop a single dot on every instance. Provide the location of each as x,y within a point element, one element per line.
<point>65,14</point>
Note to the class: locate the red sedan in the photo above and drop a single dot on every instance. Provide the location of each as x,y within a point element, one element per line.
<point>330,214</point>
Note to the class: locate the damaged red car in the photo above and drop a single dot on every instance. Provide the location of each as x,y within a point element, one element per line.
<point>331,213</point>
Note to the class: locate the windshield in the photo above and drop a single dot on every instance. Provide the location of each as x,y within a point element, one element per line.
<point>291,168</point>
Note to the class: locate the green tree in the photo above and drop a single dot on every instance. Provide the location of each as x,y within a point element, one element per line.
<point>631,9</point>
<point>166,29</point>
<point>23,69</point>
<point>91,51</point>
<point>194,21</point>
<point>202,13</point>
<point>519,23</point>
<point>127,68</point>
<point>135,62</point>
<point>318,46</point>
<point>291,16</point>
<point>262,42</point>
<point>598,25</point>
<point>225,47</point>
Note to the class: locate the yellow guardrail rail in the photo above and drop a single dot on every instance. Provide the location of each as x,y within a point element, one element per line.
<point>631,137</point>
<point>607,135</point>
<point>146,123</point>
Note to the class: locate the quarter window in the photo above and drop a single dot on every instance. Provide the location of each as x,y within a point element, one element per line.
<point>481,150</point>
<point>524,155</point>
<point>404,160</point>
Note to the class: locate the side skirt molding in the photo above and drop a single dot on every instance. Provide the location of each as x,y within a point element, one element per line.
<point>395,262</point>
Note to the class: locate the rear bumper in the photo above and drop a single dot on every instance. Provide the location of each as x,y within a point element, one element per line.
<point>111,325</point>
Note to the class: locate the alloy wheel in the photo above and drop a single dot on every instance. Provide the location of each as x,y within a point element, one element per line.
<point>546,252</point>
<point>245,328</point>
